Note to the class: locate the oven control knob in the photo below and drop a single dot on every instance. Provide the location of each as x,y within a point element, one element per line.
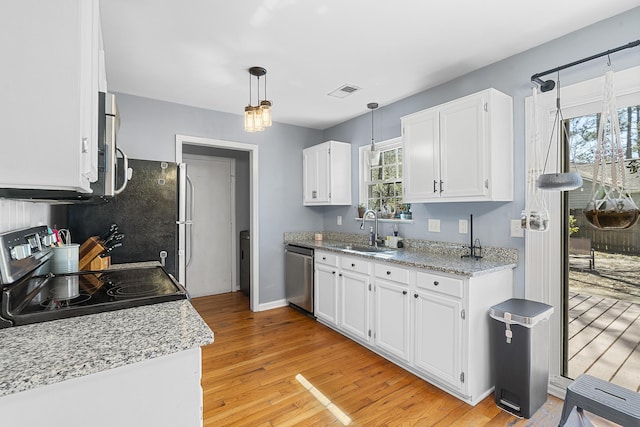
<point>21,251</point>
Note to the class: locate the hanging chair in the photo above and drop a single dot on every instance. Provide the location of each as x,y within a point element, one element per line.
<point>611,207</point>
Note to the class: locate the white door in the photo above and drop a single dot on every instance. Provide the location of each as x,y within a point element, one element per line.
<point>210,256</point>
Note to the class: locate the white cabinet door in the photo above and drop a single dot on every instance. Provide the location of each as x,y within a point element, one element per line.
<point>316,175</point>
<point>438,335</point>
<point>354,304</point>
<point>463,158</point>
<point>460,151</point>
<point>326,293</point>
<point>421,157</point>
<point>392,318</point>
<point>326,174</point>
<point>50,94</point>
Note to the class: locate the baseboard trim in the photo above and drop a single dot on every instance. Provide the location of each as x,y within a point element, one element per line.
<point>273,304</point>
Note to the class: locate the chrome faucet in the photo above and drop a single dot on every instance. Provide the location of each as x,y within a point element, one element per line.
<point>375,216</point>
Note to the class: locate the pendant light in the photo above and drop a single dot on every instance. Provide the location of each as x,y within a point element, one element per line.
<point>611,207</point>
<point>256,118</point>
<point>558,181</point>
<point>374,155</point>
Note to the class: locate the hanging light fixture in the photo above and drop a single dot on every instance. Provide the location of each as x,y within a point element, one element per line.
<point>374,155</point>
<point>558,181</point>
<point>256,118</point>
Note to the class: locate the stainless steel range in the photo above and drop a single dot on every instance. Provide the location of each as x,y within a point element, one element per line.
<point>32,294</point>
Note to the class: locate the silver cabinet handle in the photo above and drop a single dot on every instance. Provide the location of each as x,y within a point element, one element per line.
<point>125,172</point>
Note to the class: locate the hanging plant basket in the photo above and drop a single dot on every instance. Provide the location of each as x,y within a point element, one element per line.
<point>611,207</point>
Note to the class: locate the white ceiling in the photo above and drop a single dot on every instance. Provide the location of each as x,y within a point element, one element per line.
<point>197,52</point>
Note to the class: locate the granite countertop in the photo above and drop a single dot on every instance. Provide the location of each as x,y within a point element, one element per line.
<point>434,256</point>
<point>49,352</point>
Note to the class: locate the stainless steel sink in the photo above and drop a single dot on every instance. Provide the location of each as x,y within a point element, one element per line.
<point>363,248</point>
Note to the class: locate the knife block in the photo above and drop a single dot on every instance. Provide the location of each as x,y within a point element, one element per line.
<point>89,255</point>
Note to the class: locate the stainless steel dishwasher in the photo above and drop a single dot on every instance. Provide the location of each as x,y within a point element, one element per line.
<point>299,277</point>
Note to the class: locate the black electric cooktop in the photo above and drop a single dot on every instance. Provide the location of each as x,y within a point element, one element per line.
<point>41,298</point>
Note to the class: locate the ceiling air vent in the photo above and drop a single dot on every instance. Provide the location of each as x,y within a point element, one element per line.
<point>344,91</point>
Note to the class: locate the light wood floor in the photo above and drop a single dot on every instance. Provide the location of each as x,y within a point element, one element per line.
<point>604,339</point>
<point>249,377</point>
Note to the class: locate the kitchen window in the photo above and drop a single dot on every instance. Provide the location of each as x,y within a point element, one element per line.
<point>381,179</point>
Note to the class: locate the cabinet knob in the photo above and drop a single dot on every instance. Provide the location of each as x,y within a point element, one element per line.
<point>353,265</point>
<point>436,283</point>
<point>404,292</point>
<point>388,273</point>
<point>324,258</point>
<point>340,274</point>
<point>333,272</point>
<point>415,295</point>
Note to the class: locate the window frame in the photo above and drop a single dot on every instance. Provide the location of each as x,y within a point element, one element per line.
<point>365,170</point>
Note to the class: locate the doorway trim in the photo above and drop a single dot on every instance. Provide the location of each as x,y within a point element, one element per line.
<point>253,199</point>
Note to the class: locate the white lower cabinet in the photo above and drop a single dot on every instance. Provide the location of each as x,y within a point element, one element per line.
<point>437,337</point>
<point>434,325</point>
<point>392,311</point>
<point>326,288</point>
<point>354,287</point>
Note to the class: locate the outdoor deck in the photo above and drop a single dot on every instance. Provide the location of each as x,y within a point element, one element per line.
<point>604,339</point>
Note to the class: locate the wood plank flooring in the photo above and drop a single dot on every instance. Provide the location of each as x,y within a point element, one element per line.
<point>604,339</point>
<point>249,377</point>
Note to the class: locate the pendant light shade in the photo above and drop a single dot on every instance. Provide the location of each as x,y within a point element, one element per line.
<point>374,155</point>
<point>565,181</point>
<point>559,181</point>
<point>256,118</point>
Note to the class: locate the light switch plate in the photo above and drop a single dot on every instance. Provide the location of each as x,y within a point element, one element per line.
<point>463,226</point>
<point>434,225</point>
<point>339,219</point>
<point>516,228</point>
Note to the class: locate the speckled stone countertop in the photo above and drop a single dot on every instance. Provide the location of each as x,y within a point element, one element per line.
<point>49,352</point>
<point>434,256</point>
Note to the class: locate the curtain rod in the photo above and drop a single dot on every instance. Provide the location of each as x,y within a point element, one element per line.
<point>548,85</point>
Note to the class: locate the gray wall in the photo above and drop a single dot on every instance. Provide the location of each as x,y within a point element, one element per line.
<point>149,127</point>
<point>491,219</point>
<point>148,131</point>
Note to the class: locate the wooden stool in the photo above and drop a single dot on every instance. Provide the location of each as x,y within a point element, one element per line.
<point>604,399</point>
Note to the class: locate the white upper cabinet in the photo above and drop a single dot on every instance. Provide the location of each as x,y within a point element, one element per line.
<point>460,151</point>
<point>326,176</point>
<point>53,70</point>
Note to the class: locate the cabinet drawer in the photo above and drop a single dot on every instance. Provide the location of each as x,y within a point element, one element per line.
<point>397,274</point>
<point>440,284</point>
<point>326,258</point>
<point>355,264</point>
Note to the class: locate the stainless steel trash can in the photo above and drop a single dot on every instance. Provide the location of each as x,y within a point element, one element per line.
<point>520,355</point>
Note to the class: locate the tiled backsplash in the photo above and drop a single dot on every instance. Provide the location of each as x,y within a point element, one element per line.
<point>16,214</point>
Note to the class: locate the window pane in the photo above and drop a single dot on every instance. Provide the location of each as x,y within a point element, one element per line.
<point>376,173</point>
<point>389,157</point>
<point>399,155</point>
<point>389,172</point>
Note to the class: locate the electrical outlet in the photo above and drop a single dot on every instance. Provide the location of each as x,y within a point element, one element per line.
<point>434,225</point>
<point>516,228</point>
<point>463,226</point>
<point>339,219</point>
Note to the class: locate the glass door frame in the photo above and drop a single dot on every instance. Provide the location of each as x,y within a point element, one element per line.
<point>545,267</point>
